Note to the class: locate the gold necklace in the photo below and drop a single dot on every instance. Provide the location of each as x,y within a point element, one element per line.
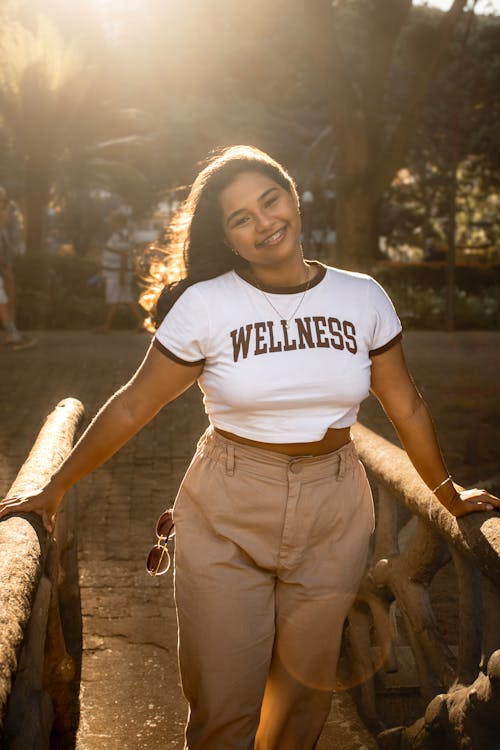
<point>282,317</point>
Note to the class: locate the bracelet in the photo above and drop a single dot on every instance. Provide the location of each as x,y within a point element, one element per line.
<point>448,479</point>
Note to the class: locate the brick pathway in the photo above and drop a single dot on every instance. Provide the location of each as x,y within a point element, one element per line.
<point>130,697</point>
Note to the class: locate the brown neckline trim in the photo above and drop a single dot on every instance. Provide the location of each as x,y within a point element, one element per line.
<point>289,289</point>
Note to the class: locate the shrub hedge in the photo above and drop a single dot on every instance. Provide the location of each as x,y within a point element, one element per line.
<point>470,279</point>
<point>65,293</point>
<point>62,293</point>
<point>419,295</point>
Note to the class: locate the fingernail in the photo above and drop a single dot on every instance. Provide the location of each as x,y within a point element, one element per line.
<point>489,507</point>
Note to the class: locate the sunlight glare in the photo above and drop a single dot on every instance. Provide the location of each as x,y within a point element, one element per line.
<point>482,6</point>
<point>113,13</point>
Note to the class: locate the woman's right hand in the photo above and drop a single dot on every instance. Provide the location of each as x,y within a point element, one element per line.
<point>44,501</point>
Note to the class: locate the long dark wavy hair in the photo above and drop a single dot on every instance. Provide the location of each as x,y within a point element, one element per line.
<point>195,247</point>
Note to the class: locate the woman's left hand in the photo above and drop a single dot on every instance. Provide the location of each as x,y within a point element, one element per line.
<point>472,501</point>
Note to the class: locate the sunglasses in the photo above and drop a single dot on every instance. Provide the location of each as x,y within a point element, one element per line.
<point>158,561</point>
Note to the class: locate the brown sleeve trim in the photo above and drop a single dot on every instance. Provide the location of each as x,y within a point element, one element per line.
<point>174,357</point>
<point>385,347</point>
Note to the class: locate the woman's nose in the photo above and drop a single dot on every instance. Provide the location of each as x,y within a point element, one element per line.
<point>263,221</point>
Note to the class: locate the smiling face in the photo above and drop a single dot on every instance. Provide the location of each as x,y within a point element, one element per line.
<point>261,221</point>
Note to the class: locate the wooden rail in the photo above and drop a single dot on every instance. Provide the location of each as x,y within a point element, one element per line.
<point>39,600</point>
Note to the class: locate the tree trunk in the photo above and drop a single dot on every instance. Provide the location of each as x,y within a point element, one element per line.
<point>357,229</point>
<point>368,156</point>
<point>460,106</point>
<point>451,255</point>
<point>37,194</point>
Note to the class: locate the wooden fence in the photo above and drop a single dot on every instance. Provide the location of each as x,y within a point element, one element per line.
<point>401,659</point>
<point>39,602</point>
<point>408,674</point>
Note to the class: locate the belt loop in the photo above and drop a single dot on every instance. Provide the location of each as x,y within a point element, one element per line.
<point>230,460</point>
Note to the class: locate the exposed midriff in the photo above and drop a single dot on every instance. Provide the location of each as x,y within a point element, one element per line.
<point>332,440</point>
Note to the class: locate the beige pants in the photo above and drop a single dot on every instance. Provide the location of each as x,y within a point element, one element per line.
<point>270,551</point>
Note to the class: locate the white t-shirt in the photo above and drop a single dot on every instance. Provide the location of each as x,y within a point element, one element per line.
<point>266,382</point>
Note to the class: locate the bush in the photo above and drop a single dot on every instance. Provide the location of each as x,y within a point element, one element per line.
<point>471,279</point>
<point>58,293</point>
<point>55,293</point>
<point>425,308</point>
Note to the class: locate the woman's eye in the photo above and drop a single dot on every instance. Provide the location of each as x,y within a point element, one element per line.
<point>240,222</point>
<point>271,201</point>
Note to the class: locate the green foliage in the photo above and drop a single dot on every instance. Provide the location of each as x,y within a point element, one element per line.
<point>418,307</point>
<point>458,134</point>
<point>55,294</point>
<point>478,311</point>
<point>188,77</point>
<point>472,279</point>
<point>424,307</point>
<point>68,137</point>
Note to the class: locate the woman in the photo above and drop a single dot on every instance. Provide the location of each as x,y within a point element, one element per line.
<point>274,515</point>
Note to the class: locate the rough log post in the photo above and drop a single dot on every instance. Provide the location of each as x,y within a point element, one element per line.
<point>466,716</point>
<point>408,576</point>
<point>477,535</point>
<point>28,697</point>
<point>386,540</point>
<point>470,607</point>
<point>59,666</point>
<point>24,545</point>
<point>491,617</point>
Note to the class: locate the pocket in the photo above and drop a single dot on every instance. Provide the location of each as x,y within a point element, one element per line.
<point>183,493</point>
<point>367,499</point>
<point>199,489</point>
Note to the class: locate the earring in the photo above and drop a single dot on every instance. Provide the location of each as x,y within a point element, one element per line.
<point>234,251</point>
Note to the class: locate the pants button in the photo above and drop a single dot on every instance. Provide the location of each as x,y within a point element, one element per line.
<point>295,468</point>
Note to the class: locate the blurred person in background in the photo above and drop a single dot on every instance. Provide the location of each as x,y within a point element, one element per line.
<point>10,235</point>
<point>117,266</point>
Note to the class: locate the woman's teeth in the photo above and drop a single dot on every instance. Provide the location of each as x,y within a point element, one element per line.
<point>276,237</point>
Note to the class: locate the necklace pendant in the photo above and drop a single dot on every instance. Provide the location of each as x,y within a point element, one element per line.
<point>286,323</point>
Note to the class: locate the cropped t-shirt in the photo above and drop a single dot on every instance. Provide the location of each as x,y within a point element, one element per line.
<point>275,381</point>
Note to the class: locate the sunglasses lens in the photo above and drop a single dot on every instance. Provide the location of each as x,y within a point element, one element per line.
<point>165,524</point>
<point>158,561</point>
